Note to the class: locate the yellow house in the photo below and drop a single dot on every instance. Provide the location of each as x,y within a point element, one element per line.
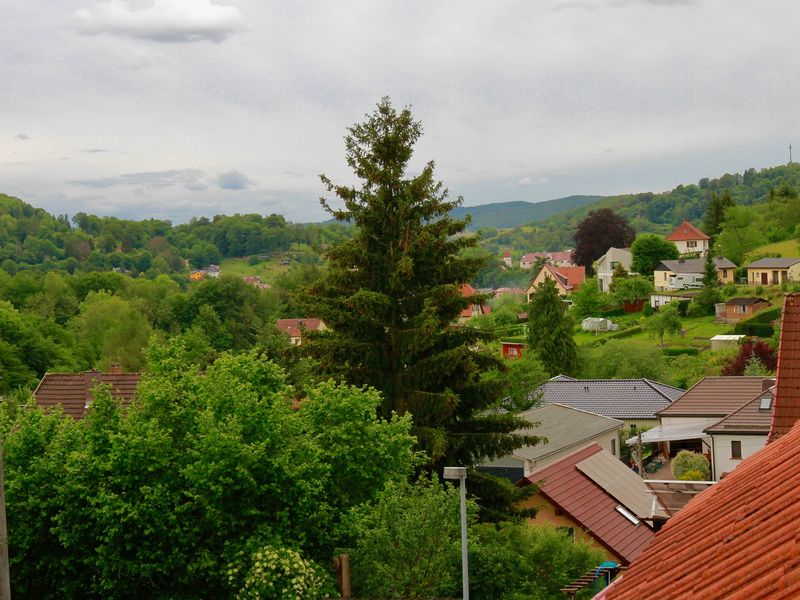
<point>773,271</point>
<point>686,273</point>
<point>598,499</point>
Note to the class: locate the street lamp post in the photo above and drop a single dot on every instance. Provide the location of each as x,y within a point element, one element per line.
<point>460,473</point>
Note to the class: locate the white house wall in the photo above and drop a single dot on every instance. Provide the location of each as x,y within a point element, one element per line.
<point>721,451</point>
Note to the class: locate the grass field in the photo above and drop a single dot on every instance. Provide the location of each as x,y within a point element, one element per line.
<point>267,270</point>
<point>786,248</point>
<point>697,330</point>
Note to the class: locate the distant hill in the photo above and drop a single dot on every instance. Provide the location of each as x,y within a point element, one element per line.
<point>511,214</point>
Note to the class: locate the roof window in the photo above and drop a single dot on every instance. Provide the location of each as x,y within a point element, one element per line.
<point>628,514</point>
<point>765,403</point>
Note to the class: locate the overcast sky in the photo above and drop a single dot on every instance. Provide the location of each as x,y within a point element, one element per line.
<point>175,108</point>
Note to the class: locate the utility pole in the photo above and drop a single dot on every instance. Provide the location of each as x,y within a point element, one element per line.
<point>5,582</point>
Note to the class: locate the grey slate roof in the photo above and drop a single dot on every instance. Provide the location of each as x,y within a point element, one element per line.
<point>773,263</point>
<point>564,427</point>
<point>693,265</point>
<point>615,398</point>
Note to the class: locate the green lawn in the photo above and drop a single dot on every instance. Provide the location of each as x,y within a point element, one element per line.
<point>267,270</point>
<point>698,331</point>
<point>786,248</point>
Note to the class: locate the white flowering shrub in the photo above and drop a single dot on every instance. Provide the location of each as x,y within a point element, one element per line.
<point>282,574</point>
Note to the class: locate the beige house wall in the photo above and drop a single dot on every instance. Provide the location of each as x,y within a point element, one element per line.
<point>754,276</point>
<point>547,513</point>
<point>540,277</point>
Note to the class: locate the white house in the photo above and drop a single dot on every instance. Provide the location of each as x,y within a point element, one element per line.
<point>741,434</point>
<point>689,239</point>
<point>605,265</point>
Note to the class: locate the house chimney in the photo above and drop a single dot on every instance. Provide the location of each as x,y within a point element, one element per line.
<point>787,378</point>
<point>115,368</point>
<point>767,383</point>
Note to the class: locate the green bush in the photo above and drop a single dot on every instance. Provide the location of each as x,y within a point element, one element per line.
<point>647,311</point>
<point>278,573</point>
<point>692,475</point>
<point>407,542</point>
<point>679,351</point>
<point>759,290</point>
<point>728,290</point>
<point>687,461</point>
<point>522,560</point>
<point>698,310</point>
<point>683,307</point>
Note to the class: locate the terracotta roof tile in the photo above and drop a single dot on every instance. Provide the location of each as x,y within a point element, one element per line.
<point>750,418</point>
<point>738,540</point>
<point>686,231</point>
<point>787,390</point>
<point>294,327</point>
<point>73,391</point>
<point>716,396</point>
<point>564,485</point>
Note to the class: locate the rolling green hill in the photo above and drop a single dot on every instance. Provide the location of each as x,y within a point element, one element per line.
<point>501,215</point>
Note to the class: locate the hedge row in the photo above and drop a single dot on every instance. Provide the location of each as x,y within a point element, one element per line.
<point>755,329</point>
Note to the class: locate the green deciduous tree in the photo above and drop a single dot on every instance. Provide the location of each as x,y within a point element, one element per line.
<point>631,289</point>
<point>191,481</point>
<point>589,300</point>
<point>740,233</point>
<point>666,320</point>
<point>648,250</point>
<point>550,330</point>
<point>392,292</point>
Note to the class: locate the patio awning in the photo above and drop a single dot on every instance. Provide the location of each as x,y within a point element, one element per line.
<point>671,433</point>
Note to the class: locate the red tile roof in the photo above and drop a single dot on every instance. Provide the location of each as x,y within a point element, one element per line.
<point>738,540</point>
<point>588,504</point>
<point>716,396</point>
<point>749,419</point>
<point>686,231</point>
<point>294,327</point>
<point>468,291</point>
<point>574,275</point>
<point>73,391</point>
<point>787,391</point>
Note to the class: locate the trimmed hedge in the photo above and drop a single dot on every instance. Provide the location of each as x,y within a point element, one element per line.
<point>678,351</point>
<point>754,329</point>
<point>768,315</point>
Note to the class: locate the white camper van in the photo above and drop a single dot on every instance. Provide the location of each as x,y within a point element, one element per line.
<point>686,281</point>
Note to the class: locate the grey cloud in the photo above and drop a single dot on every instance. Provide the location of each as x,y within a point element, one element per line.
<point>21,136</point>
<point>176,21</point>
<point>187,178</point>
<point>233,180</point>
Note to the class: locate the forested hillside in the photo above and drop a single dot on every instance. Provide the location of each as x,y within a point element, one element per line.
<point>510,214</point>
<point>31,238</point>
<point>650,212</point>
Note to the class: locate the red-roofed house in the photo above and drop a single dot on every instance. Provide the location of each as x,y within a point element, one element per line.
<point>507,260</point>
<point>557,259</point>
<point>479,308</point>
<point>73,391</point>
<point>595,495</point>
<point>294,328</point>
<point>738,540</point>
<point>689,239</point>
<point>567,279</point>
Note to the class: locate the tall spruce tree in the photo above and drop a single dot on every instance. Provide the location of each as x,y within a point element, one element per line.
<point>392,294</point>
<point>550,330</point>
<point>710,293</point>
